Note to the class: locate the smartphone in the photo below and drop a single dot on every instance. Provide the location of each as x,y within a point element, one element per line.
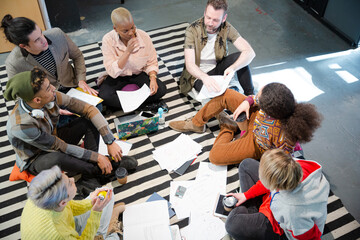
<point>219,210</point>
<point>147,115</point>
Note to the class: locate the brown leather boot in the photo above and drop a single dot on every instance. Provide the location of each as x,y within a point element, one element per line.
<point>226,121</point>
<point>186,126</point>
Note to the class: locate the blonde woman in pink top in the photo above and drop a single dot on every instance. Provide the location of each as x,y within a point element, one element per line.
<point>129,58</point>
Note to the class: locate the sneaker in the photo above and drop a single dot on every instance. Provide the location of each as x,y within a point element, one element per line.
<point>227,122</point>
<point>128,162</point>
<point>186,126</point>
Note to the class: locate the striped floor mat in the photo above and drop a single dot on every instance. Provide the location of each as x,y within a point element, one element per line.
<point>148,178</point>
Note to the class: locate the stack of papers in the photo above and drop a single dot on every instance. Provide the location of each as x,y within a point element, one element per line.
<point>149,220</point>
<point>174,154</point>
<point>156,197</point>
<point>199,201</point>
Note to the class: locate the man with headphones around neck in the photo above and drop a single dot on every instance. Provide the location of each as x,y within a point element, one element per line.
<point>37,142</point>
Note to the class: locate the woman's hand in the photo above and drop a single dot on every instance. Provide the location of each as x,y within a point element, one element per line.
<point>153,86</point>
<point>98,204</point>
<point>243,107</point>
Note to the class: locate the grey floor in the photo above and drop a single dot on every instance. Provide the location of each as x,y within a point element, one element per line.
<point>286,39</point>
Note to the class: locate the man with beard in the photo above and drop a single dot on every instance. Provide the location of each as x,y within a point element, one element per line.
<point>206,51</point>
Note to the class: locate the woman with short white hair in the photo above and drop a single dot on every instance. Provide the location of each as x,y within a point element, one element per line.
<point>51,213</point>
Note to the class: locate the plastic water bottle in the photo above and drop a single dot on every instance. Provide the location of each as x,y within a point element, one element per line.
<point>161,116</point>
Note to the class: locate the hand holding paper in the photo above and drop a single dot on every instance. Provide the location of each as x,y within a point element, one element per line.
<point>223,83</point>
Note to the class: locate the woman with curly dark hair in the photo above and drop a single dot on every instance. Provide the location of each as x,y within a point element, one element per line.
<point>275,120</point>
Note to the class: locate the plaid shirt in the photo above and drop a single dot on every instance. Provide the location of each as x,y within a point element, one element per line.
<point>31,136</point>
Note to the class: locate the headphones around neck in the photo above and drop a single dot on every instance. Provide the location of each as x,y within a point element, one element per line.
<point>39,113</point>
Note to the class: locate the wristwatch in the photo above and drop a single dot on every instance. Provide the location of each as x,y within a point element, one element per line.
<point>110,142</point>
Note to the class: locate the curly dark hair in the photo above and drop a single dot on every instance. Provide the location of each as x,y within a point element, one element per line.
<point>277,100</point>
<point>218,4</point>
<point>37,79</point>
<point>299,120</point>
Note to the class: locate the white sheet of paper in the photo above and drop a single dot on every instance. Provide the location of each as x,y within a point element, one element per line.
<point>93,100</point>
<point>223,83</point>
<point>174,154</point>
<point>149,220</point>
<point>205,226</point>
<point>210,181</point>
<point>180,205</point>
<point>130,101</point>
<point>125,147</point>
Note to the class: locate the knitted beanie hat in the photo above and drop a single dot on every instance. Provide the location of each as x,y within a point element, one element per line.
<point>19,86</point>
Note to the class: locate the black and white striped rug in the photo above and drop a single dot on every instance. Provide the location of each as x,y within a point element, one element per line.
<point>148,178</point>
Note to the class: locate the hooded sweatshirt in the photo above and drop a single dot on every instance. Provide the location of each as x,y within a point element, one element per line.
<point>300,213</point>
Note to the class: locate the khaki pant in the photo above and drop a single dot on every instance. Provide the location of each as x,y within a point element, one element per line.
<point>226,151</point>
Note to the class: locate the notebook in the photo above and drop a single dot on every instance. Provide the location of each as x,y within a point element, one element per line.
<point>135,125</point>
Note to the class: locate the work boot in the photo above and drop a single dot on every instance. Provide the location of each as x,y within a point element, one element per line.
<point>186,126</point>
<point>128,162</point>
<point>226,121</point>
<point>115,225</point>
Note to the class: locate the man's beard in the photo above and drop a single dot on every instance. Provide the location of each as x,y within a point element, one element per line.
<point>213,30</point>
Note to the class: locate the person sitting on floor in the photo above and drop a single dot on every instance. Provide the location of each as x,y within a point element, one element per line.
<point>39,144</point>
<point>129,58</point>
<point>279,195</point>
<point>51,213</point>
<point>206,52</point>
<point>280,122</point>
<point>50,51</point>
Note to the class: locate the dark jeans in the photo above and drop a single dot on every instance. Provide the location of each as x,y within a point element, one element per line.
<point>245,221</point>
<point>243,74</point>
<point>108,88</point>
<point>65,119</point>
<point>71,134</point>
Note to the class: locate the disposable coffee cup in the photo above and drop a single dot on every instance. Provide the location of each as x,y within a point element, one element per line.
<point>229,203</point>
<point>121,175</point>
<point>242,121</point>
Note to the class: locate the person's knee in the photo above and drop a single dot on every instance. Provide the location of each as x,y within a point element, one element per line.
<point>161,89</point>
<point>233,57</point>
<point>49,163</point>
<point>232,225</point>
<point>245,165</point>
<point>216,158</point>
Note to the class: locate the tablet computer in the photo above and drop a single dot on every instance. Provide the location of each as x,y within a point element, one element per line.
<point>219,210</point>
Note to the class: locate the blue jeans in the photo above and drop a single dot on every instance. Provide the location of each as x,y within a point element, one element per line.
<point>81,220</point>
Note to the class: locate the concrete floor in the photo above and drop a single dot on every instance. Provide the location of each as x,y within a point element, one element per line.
<point>286,40</point>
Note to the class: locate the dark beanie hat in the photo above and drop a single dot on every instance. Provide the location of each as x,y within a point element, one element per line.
<point>19,86</point>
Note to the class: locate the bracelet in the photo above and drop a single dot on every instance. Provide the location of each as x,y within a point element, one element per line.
<point>152,75</point>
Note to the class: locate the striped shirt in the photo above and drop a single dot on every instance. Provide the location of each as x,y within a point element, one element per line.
<point>46,59</point>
